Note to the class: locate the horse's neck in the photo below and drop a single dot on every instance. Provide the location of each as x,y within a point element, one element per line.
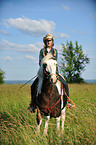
<point>46,81</point>
<point>43,83</point>
<point>46,84</point>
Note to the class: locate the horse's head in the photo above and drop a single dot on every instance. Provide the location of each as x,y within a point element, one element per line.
<point>50,68</point>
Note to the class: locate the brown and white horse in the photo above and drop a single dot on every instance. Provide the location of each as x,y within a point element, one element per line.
<point>50,101</point>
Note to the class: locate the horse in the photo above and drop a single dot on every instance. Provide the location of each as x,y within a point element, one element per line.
<point>50,100</point>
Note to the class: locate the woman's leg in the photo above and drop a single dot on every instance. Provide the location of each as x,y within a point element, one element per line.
<point>34,89</point>
<point>33,94</point>
<point>65,85</point>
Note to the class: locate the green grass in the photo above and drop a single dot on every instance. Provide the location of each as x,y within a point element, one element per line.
<point>18,125</point>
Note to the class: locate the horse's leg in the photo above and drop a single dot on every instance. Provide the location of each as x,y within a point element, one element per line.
<point>63,118</point>
<point>57,123</point>
<point>39,120</point>
<point>38,126</point>
<point>46,124</point>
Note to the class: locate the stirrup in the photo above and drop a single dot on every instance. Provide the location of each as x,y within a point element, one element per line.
<point>69,105</point>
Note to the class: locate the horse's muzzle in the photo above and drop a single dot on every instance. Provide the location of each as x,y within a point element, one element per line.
<point>54,78</point>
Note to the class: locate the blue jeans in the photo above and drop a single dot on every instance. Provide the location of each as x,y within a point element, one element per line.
<point>65,85</point>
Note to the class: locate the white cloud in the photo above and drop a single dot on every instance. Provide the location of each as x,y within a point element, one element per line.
<point>65,7</point>
<point>19,58</point>
<point>8,58</point>
<point>78,32</point>
<point>32,27</point>
<point>30,57</point>
<point>20,47</point>
<point>3,32</point>
<point>61,35</point>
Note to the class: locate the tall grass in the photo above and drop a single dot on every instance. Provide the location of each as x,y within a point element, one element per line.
<point>18,125</point>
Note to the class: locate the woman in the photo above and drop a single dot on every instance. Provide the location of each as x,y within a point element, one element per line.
<point>48,47</point>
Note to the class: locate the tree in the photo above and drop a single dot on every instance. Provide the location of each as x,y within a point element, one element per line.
<point>1,76</point>
<point>73,62</point>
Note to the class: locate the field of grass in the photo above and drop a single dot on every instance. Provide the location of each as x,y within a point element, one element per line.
<point>18,125</point>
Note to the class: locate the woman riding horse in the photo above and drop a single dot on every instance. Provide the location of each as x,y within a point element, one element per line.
<point>48,48</point>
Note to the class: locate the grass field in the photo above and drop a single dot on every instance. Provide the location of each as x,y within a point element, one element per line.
<point>18,125</point>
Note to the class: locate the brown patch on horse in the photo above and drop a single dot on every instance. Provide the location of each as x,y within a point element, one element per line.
<point>48,97</point>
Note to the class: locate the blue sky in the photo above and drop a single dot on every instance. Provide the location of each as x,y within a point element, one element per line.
<point>24,23</point>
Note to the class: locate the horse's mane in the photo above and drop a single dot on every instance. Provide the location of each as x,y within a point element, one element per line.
<point>46,58</point>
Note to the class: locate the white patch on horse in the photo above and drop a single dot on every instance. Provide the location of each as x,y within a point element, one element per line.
<point>40,76</point>
<point>62,104</point>
<point>60,90</point>
<point>58,87</point>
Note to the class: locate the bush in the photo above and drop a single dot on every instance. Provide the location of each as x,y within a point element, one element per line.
<point>2,76</point>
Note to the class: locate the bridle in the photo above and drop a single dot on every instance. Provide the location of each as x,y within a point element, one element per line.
<point>49,76</point>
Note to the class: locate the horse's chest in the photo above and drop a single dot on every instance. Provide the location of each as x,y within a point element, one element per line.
<point>51,90</point>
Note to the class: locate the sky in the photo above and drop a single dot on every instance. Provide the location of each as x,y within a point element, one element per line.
<point>24,23</point>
